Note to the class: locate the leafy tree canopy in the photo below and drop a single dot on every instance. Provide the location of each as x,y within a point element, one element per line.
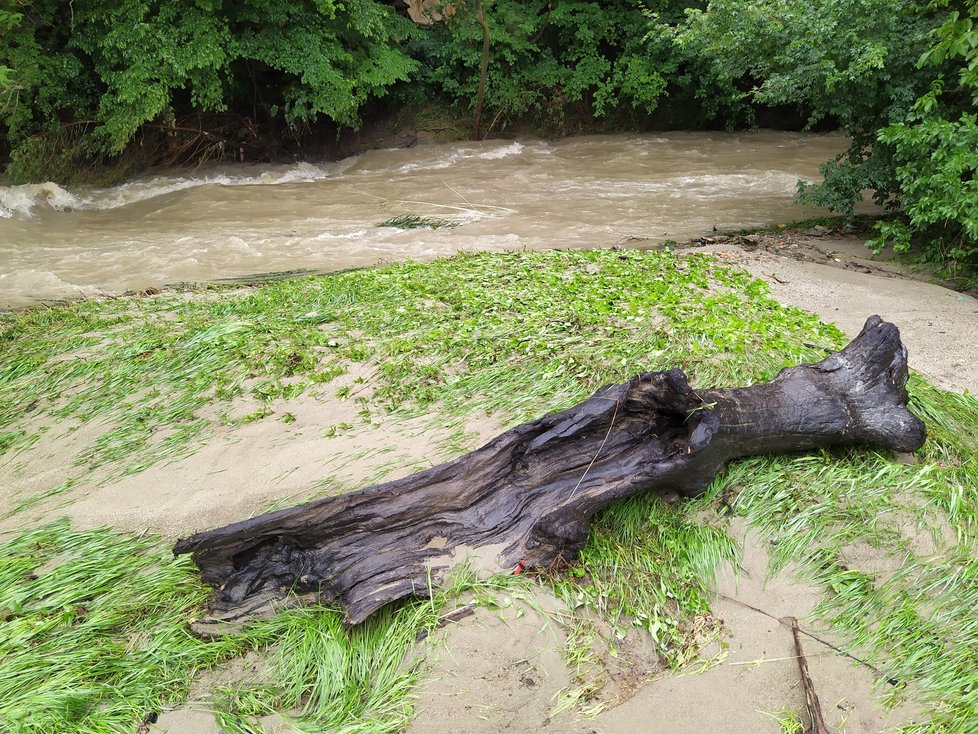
<point>120,64</point>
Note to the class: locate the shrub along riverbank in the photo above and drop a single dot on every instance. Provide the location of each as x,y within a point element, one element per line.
<point>105,90</point>
<point>96,636</point>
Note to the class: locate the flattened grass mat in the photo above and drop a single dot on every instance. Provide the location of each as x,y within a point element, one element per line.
<point>95,636</point>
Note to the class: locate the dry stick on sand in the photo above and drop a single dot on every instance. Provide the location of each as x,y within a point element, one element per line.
<point>834,648</point>
<point>811,699</point>
<point>453,616</point>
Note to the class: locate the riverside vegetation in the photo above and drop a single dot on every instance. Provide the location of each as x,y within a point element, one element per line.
<point>96,635</point>
<point>110,87</point>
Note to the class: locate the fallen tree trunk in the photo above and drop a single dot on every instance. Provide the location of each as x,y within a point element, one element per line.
<point>524,499</point>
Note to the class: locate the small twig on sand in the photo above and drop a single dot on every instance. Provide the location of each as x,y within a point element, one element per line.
<point>764,661</point>
<point>453,616</point>
<point>811,699</point>
<point>877,671</point>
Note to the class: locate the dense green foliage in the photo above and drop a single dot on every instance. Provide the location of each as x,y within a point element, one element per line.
<point>898,76</point>
<point>140,81</point>
<point>935,149</point>
<point>851,64</point>
<point>120,70</point>
<point>549,60</point>
<point>115,67</point>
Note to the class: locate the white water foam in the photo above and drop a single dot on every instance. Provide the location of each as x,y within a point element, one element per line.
<point>703,186</point>
<point>332,236</point>
<point>446,162</point>
<point>42,281</point>
<point>20,201</point>
<point>504,152</point>
<point>457,156</point>
<point>775,183</point>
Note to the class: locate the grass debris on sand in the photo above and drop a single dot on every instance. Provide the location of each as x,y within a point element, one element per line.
<point>95,636</point>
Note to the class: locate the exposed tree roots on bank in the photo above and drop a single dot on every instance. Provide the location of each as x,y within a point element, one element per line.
<point>524,499</point>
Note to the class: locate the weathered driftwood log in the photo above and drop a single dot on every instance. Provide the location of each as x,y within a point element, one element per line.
<point>526,496</point>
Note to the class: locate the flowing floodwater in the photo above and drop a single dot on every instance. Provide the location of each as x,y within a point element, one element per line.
<point>232,221</point>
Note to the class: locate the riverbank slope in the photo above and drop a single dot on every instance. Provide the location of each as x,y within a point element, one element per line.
<point>177,412</point>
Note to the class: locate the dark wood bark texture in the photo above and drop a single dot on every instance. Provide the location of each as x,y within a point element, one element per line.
<point>526,496</point>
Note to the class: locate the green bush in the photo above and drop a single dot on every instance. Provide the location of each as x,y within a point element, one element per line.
<point>898,76</point>
<point>935,152</point>
<point>547,59</point>
<point>117,66</point>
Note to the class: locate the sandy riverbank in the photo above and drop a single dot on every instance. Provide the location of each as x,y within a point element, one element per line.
<point>502,670</point>
<point>480,679</point>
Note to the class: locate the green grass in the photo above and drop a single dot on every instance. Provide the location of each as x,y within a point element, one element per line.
<point>916,622</point>
<point>95,635</point>
<point>415,221</point>
<point>649,566</point>
<point>551,328</point>
<point>789,722</point>
<point>95,638</point>
<point>514,335</point>
<point>328,678</point>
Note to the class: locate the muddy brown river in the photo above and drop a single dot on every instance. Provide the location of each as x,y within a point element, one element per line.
<point>229,221</point>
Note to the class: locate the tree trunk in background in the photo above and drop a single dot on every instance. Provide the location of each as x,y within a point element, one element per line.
<point>477,123</point>
<point>526,496</point>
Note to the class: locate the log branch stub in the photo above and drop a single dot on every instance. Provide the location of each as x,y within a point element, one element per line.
<point>526,496</point>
